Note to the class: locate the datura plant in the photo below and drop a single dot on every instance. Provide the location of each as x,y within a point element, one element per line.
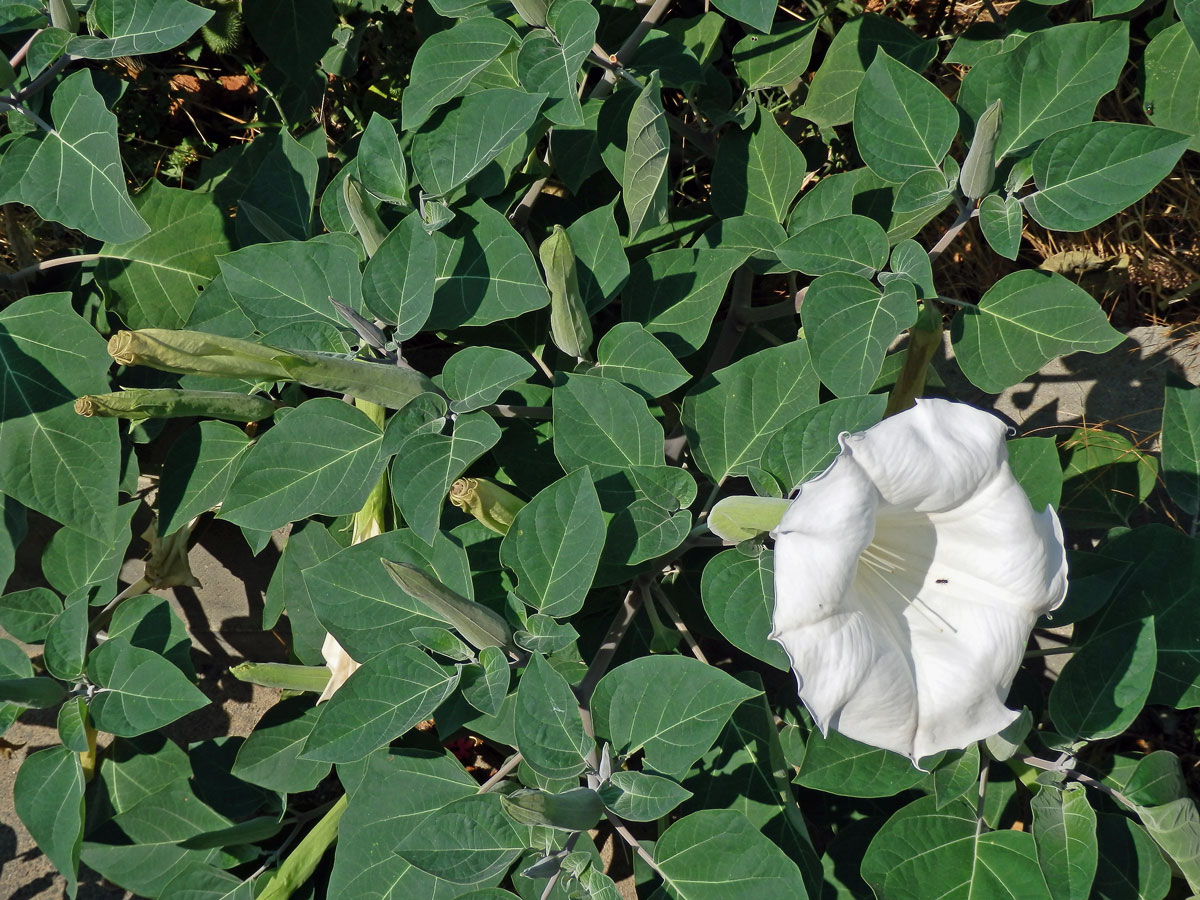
<point>604,393</point>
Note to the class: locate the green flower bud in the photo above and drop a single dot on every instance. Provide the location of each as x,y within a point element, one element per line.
<point>575,810</point>
<point>570,327</point>
<point>979,168</point>
<point>173,403</point>
<point>479,625</point>
<point>924,339</point>
<point>282,675</point>
<point>491,504</point>
<point>739,519</point>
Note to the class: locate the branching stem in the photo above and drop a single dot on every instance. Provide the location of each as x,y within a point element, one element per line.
<point>1086,780</point>
<point>43,265</point>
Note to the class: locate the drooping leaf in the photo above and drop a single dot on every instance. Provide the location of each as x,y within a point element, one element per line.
<point>1036,466</point>
<point>1064,832</point>
<point>276,200</point>
<point>1048,82</point>
<point>485,685</point>
<point>1130,867</point>
<point>1022,322</point>
<point>380,162</point>
<point>131,28</point>
<point>671,707</point>
<point>379,702</point>
<point>554,544</point>
<point>601,264</point>
<point>270,756</point>
<point>1088,173</point>
<point>850,324</point>
<point>757,172</point>
<point>73,173</point>
<point>675,294</point>
<point>142,691</point>
<point>739,596</point>
<point>957,774</point>
<point>48,798</point>
<point>550,733</point>
<point>730,416</point>
<point>294,34</point>
<point>902,122</point>
<point>714,854</point>
<point>323,458</point>
<point>446,62</point>
<point>644,179</point>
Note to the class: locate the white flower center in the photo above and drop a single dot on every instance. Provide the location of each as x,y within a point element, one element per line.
<point>886,565</point>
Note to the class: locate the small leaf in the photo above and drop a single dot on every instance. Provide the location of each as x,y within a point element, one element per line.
<point>577,809</point>
<point>570,327</point>
<point>550,733</point>
<point>1172,62</point>
<point>485,685</point>
<point>398,282</point>
<point>270,756</point>
<point>602,424</point>
<point>480,626</point>
<point>1180,446</point>
<point>738,592</point>
<point>757,172</point>
<point>805,446</point>
<point>777,59</point>
<point>381,165</point>
<point>642,797</point>
<point>197,472</point>
<point>66,638</point>
<point>957,774</point>
<point>630,354</point>
<point>1000,221</point>
<point>385,697</point>
<point>550,60</point>
<point>979,168</point>
<point>644,180</point>
<point>910,260</point>
<point>27,615</point>
<point>837,764</point>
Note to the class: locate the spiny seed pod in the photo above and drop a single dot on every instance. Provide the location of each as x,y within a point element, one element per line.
<point>491,504</point>
<point>979,168</point>
<point>223,32</point>
<point>570,327</point>
<point>575,810</point>
<point>174,403</point>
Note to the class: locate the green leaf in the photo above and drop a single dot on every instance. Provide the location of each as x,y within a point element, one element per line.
<point>294,34</point>
<point>602,424</point>
<point>1000,221</point>
<point>1048,82</point>
<point>133,28</point>
<point>850,325</point>
<point>910,260</point>
<point>902,122</point>
<point>778,59</point>
<point>837,764</point>
<point>485,685</point>
<point>806,445</point>
<point>644,179</point>
<point>432,462</point>
<point>466,841</point>
<point>550,732</point>
<point>446,62</point>
<point>197,472</point>
<point>922,851</point>
<point>671,707</point>
<point>957,774</point>
<point>32,692</point>
<point>642,797</point>
<point>81,152</point>
<point>1104,686</point>
<point>476,376</point>
<point>66,638</point>
<point>1130,867</point>
<point>852,244</point>
<point>291,282</point>
<point>731,415</point>
<point>72,723</point>
<point>758,237</point>
<point>48,798</point>
<point>398,282</point>
<point>601,264</point>
<point>276,200</point>
<point>380,701</point>
<point>1064,832</point>
<point>549,60</point>
<point>395,790</point>
<point>554,544</point>
<point>1105,477</point>
<point>199,881</point>
<point>75,559</point>
<point>14,664</point>
<point>27,615</point>
<point>1181,443</point>
<point>757,172</point>
<point>150,623</point>
<point>153,282</point>
<point>485,272</point>
<point>270,756</point>
<point>927,187</point>
<point>717,854</point>
<point>630,354</point>
<point>466,137</point>
<point>1035,463</point>
<point>356,599</point>
<point>61,464</point>
<point>675,294</point>
<point>1089,173</point>
<point>831,95</point>
<point>755,13</point>
<point>323,458</point>
<point>1022,322</point>
<point>142,691</point>
<point>739,595</point>
<point>380,162</point>
<point>1172,63</point>
<point>13,528</point>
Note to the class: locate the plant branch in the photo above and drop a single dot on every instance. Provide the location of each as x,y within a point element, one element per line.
<point>964,216</point>
<point>27,113</point>
<point>508,411</point>
<point>44,79</point>
<point>501,773</point>
<point>612,640</point>
<point>622,829</point>
<point>1086,780</point>
<point>19,56</point>
<point>653,15</point>
<point>665,602</point>
<point>43,265</point>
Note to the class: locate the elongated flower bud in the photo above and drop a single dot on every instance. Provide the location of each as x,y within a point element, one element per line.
<point>924,339</point>
<point>199,353</point>
<point>575,810</point>
<point>491,504</point>
<point>172,403</point>
<point>570,327</point>
<point>979,168</point>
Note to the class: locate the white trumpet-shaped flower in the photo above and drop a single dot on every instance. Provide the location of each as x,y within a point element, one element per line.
<point>908,576</point>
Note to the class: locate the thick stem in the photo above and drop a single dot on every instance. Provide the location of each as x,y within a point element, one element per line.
<point>501,773</point>
<point>43,265</point>
<point>964,216</point>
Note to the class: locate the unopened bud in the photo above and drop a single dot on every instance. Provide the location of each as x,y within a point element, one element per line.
<point>491,504</point>
<point>575,810</point>
<point>979,168</point>
<point>173,403</point>
<point>570,327</point>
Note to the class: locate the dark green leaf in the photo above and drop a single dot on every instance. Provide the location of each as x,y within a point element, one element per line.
<point>133,28</point>
<point>66,638</point>
<point>270,756</point>
<point>757,172</point>
<point>601,264</point>
<point>467,841</point>
<point>27,615</point>
<point>1181,443</point>
<point>957,774</point>
<point>641,797</point>
<point>852,244</point>
<point>380,701</point>
<point>630,354</point>
<point>447,61</point>
<point>149,622</point>
<point>1130,867</point>
<point>32,693</point>
<point>777,59</point>
<point>1000,221</point>
<point>1172,63</point>
<point>380,162</point>
<point>476,376</point>
<point>806,445</point>
<point>644,179</point>
<point>837,764</point>
<point>197,472</point>
<point>550,60</point>
<point>1034,462</point>
<point>398,283</point>
<point>1064,832</point>
<point>142,691</point>
<point>485,685</point>
<point>550,733</point>
<point>739,595</point>
<point>277,199</point>
<point>675,294</point>
<point>48,798</point>
<point>602,424</point>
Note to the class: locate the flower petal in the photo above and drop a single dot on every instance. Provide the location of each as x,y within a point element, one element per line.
<point>341,666</point>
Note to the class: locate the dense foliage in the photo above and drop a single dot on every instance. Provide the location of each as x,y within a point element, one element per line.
<point>581,269</point>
